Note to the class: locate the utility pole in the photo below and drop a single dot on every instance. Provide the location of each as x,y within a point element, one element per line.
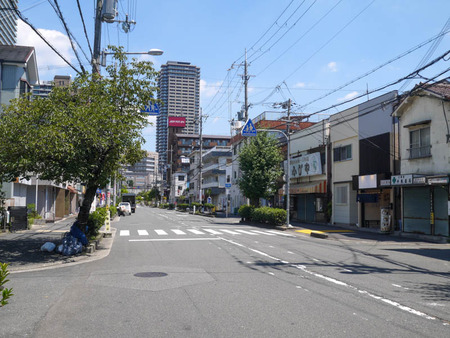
<point>288,179</point>
<point>201,160</point>
<point>246,87</point>
<point>97,38</point>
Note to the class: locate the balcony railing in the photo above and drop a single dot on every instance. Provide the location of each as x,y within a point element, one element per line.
<point>419,152</point>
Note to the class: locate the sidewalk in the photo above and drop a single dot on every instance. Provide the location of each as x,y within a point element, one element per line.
<point>22,249</point>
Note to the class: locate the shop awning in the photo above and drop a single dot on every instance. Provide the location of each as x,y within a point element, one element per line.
<point>318,187</point>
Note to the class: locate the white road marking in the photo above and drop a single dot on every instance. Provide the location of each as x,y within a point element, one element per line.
<point>214,232</point>
<point>143,232</point>
<point>124,233</point>
<point>173,239</point>
<point>264,233</point>
<point>247,232</point>
<point>161,232</point>
<point>280,233</point>
<point>178,232</point>
<point>230,232</point>
<point>197,232</point>
<point>341,283</point>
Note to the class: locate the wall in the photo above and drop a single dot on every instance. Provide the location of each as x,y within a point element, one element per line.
<point>425,108</point>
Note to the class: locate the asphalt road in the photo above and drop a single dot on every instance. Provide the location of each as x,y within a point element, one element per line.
<point>170,274</point>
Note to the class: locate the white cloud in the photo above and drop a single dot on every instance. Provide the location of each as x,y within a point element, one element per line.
<point>49,63</point>
<point>209,89</point>
<point>300,85</point>
<point>332,66</point>
<point>349,96</point>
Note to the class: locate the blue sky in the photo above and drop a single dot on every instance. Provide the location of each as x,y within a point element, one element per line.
<point>305,48</point>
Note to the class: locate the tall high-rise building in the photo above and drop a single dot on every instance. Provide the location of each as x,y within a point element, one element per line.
<point>179,84</point>
<point>8,22</point>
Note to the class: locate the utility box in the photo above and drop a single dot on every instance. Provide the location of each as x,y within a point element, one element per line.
<point>18,218</point>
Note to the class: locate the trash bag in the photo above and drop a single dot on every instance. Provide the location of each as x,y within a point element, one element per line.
<point>71,245</point>
<point>76,232</point>
<point>48,246</point>
<point>59,248</point>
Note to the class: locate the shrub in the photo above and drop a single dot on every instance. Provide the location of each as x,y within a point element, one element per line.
<point>95,221</point>
<point>5,293</point>
<point>183,206</point>
<point>265,215</point>
<point>246,211</point>
<point>209,206</point>
<point>171,206</point>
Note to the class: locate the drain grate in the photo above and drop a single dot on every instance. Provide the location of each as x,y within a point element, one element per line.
<point>150,274</point>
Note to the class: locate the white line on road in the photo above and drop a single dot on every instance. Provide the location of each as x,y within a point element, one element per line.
<point>124,232</point>
<point>247,232</point>
<point>143,232</point>
<point>196,232</point>
<point>173,239</point>
<point>214,232</point>
<point>279,233</point>
<point>178,232</point>
<point>340,283</point>
<point>161,232</point>
<point>263,232</point>
<point>230,232</point>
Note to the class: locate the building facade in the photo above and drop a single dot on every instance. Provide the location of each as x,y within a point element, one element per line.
<point>179,84</point>
<point>424,145</point>
<point>143,174</point>
<point>8,22</point>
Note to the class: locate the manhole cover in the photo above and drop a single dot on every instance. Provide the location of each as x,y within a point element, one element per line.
<point>150,274</point>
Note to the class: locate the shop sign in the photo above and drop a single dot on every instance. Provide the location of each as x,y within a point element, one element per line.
<point>401,179</point>
<point>178,122</point>
<point>438,180</point>
<point>385,183</point>
<point>419,180</point>
<point>306,165</point>
<point>367,181</point>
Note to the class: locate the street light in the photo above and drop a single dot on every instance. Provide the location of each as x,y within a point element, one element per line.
<point>153,51</point>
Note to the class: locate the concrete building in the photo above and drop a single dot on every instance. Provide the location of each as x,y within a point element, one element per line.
<point>143,174</point>
<point>424,146</point>
<point>179,84</point>
<point>8,22</point>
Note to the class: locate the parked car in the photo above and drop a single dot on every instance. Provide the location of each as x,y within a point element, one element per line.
<point>124,208</point>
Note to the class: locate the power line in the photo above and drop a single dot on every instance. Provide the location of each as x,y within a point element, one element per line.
<point>19,14</point>
<point>377,68</point>
<point>69,35</point>
<point>84,26</point>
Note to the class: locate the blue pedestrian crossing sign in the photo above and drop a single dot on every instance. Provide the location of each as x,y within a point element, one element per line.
<point>151,109</point>
<point>249,129</point>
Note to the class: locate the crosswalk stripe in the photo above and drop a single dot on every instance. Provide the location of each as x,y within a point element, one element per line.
<point>214,232</point>
<point>264,233</point>
<point>124,232</point>
<point>161,232</point>
<point>178,232</point>
<point>143,232</point>
<point>230,232</point>
<point>247,232</point>
<point>197,232</point>
<point>279,233</point>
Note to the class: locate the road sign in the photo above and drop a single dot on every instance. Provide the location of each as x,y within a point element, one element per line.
<point>151,109</point>
<point>249,129</point>
<point>227,185</point>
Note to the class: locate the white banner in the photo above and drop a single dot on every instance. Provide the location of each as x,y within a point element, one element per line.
<point>306,165</point>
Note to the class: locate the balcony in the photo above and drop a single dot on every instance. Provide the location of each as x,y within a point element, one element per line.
<point>419,152</point>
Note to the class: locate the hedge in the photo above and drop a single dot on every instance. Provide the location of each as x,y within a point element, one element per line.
<point>266,215</point>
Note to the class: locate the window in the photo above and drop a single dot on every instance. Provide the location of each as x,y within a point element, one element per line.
<point>341,195</point>
<point>343,153</point>
<point>181,178</point>
<point>228,179</point>
<point>419,143</point>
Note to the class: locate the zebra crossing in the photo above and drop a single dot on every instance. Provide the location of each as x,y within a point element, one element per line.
<point>190,232</point>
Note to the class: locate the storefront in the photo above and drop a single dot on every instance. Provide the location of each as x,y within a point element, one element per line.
<point>425,204</point>
<point>309,201</point>
<point>374,200</point>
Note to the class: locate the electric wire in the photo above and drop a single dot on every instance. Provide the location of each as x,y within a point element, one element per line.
<point>84,26</point>
<point>409,51</point>
<point>21,17</point>
<point>57,9</point>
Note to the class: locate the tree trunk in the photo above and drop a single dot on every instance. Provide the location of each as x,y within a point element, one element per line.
<point>85,208</point>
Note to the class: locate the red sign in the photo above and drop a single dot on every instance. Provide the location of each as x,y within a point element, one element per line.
<point>179,122</point>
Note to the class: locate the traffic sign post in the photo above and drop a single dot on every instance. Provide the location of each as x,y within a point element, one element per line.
<point>249,129</point>
<point>151,109</point>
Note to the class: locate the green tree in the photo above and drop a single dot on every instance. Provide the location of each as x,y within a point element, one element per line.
<point>259,162</point>
<point>81,133</point>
